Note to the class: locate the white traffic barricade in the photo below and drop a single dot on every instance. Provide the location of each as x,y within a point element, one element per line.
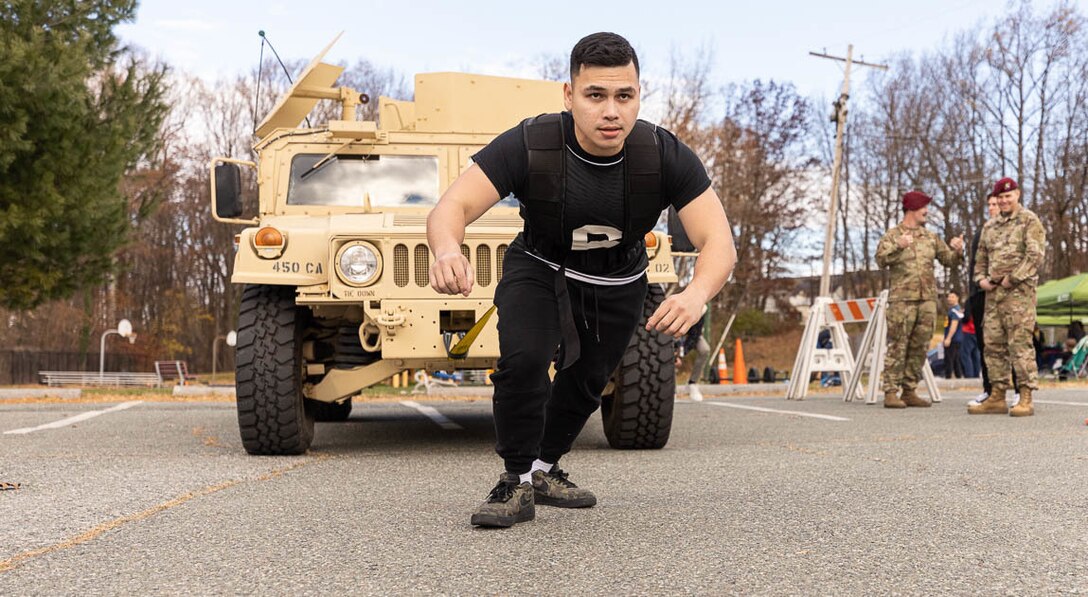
<point>831,315</point>
<point>871,354</point>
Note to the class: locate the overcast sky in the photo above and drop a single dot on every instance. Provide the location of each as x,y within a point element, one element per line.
<point>768,39</point>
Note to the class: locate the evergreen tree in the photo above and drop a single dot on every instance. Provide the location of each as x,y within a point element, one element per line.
<point>77,113</point>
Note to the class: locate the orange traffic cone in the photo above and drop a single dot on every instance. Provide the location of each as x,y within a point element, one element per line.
<point>740,372</point>
<point>723,369</point>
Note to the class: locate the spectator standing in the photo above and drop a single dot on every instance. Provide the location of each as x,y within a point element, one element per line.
<point>977,306</point>
<point>908,250</point>
<point>969,353</point>
<point>1007,263</point>
<point>953,338</point>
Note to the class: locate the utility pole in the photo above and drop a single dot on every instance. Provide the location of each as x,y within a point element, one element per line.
<point>839,118</point>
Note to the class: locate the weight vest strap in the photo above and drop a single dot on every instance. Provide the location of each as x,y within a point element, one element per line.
<point>642,177</point>
<point>545,142</point>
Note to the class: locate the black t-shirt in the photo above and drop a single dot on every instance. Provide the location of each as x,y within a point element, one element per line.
<point>594,206</point>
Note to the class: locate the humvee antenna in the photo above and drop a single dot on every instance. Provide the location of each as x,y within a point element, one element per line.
<point>260,70</point>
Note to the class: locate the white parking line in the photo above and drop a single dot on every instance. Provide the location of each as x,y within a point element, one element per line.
<point>1062,403</point>
<point>73,420</point>
<point>779,412</point>
<point>432,414</point>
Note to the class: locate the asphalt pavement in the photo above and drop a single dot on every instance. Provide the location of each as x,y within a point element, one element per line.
<point>752,495</point>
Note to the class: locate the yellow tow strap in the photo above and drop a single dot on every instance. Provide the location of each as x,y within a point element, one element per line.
<point>460,350</point>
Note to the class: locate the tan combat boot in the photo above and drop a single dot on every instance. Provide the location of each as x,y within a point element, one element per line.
<point>911,398</point>
<point>992,405</point>
<point>1024,408</point>
<point>891,400</point>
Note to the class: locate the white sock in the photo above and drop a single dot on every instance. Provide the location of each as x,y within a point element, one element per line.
<point>526,478</point>
<point>540,465</point>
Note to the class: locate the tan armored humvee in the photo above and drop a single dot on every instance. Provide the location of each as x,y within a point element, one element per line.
<point>335,265</point>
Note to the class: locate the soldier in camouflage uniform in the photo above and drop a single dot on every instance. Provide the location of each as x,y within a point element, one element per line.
<point>1007,263</point>
<point>908,250</point>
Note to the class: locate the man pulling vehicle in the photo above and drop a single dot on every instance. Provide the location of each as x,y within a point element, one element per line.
<point>591,182</point>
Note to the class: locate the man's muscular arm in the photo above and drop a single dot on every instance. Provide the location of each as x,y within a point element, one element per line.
<point>467,199</point>
<point>708,229</point>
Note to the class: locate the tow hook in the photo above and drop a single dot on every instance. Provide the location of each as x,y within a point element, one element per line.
<point>390,320</point>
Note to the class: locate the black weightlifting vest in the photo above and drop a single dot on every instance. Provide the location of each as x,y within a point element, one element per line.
<point>545,196</point>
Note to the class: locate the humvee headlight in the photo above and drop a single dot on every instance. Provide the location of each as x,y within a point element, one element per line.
<point>358,263</point>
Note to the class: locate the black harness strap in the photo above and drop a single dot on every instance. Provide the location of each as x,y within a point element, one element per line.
<point>642,180</point>
<point>545,198</point>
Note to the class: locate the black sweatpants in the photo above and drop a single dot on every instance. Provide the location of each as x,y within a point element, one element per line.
<point>536,417</point>
<point>953,366</point>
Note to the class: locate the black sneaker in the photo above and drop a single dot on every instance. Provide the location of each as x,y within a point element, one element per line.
<point>508,503</point>
<point>554,489</point>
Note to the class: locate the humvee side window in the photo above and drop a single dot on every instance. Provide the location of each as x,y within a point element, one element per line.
<point>343,180</point>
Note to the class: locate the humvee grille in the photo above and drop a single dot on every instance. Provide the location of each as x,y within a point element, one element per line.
<point>423,265</point>
<point>483,265</point>
<point>500,255</point>
<point>400,265</point>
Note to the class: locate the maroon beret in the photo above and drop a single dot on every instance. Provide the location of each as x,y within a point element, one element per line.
<point>915,200</point>
<point>1005,185</point>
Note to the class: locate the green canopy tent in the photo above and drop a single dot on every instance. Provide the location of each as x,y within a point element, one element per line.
<point>1062,301</point>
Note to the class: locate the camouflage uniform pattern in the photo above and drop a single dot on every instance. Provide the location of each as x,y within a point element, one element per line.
<point>910,328</point>
<point>509,503</point>
<point>912,301</point>
<point>555,489</point>
<point>1011,245</point>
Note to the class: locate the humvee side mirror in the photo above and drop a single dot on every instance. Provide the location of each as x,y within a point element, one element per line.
<point>227,190</point>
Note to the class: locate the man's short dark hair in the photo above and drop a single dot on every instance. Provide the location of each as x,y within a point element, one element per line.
<point>602,49</point>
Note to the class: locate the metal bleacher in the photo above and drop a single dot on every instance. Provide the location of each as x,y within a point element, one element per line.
<point>91,378</point>
<point>166,373</point>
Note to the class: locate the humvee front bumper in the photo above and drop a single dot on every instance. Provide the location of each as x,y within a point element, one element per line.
<point>426,328</point>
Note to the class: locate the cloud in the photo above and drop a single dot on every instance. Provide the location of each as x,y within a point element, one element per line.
<point>188,25</point>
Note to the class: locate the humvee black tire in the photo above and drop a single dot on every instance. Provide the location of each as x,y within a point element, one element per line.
<point>638,413</point>
<point>272,414</point>
<point>330,412</point>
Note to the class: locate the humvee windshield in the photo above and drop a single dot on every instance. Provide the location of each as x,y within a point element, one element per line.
<point>343,180</point>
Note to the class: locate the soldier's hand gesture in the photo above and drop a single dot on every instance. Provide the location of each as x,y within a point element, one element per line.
<point>957,243</point>
<point>904,240</point>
